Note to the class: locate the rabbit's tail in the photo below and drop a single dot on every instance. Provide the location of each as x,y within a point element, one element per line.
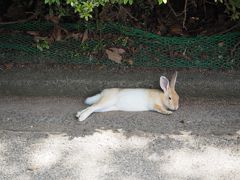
<point>93,99</point>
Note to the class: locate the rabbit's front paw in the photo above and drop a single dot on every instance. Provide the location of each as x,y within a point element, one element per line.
<point>167,112</point>
<point>162,110</point>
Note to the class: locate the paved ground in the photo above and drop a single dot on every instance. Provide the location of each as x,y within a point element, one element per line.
<point>41,139</point>
<point>46,81</point>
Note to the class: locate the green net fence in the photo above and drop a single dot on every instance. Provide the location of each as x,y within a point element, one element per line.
<point>142,48</point>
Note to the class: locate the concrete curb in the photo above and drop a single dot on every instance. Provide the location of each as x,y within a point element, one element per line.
<point>79,82</point>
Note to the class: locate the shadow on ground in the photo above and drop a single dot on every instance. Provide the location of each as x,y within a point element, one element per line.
<point>41,139</point>
<point>111,155</point>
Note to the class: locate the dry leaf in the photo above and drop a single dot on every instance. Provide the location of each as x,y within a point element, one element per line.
<point>8,66</point>
<point>118,50</point>
<point>114,56</point>
<point>75,35</point>
<point>204,56</point>
<point>57,33</point>
<point>85,36</point>
<point>39,38</point>
<point>54,19</point>
<point>130,62</point>
<point>32,168</point>
<point>33,33</point>
<point>221,44</point>
<point>177,30</point>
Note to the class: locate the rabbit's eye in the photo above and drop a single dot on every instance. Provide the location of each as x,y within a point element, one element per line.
<point>169,98</point>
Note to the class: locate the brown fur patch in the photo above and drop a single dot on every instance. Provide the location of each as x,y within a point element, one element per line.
<point>154,93</point>
<point>158,107</point>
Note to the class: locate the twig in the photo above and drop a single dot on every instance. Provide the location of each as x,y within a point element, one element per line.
<point>230,29</point>
<point>185,14</point>
<point>173,11</point>
<point>211,3</point>
<point>128,13</point>
<point>21,21</point>
<point>184,52</point>
<point>234,48</point>
<point>204,8</point>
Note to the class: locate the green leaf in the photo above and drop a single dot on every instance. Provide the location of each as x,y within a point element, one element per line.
<point>160,2</point>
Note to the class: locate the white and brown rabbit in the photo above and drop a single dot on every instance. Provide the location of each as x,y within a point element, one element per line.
<point>117,99</point>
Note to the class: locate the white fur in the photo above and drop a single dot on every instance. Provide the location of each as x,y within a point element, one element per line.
<point>93,99</point>
<point>132,100</point>
<point>116,99</point>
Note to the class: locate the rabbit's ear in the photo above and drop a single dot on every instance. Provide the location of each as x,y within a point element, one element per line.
<point>164,83</point>
<point>173,80</point>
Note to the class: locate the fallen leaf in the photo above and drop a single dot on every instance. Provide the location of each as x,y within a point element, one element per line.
<point>32,168</point>
<point>8,66</point>
<point>221,44</point>
<point>33,33</point>
<point>204,56</point>
<point>118,50</point>
<point>54,19</point>
<point>57,33</point>
<point>75,35</point>
<point>85,36</point>
<point>130,62</point>
<point>133,49</point>
<point>176,30</point>
<point>39,38</point>
<point>114,56</point>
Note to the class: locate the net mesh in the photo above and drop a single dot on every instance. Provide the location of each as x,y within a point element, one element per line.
<point>142,48</point>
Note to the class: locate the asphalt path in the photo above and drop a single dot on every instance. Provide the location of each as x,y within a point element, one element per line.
<point>41,139</point>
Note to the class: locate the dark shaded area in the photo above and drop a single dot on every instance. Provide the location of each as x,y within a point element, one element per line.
<point>29,33</point>
<point>199,17</point>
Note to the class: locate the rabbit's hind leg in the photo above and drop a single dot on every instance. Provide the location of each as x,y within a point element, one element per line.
<point>105,104</point>
<point>80,112</point>
<point>82,115</point>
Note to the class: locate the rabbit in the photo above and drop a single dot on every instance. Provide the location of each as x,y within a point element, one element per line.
<point>138,99</point>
